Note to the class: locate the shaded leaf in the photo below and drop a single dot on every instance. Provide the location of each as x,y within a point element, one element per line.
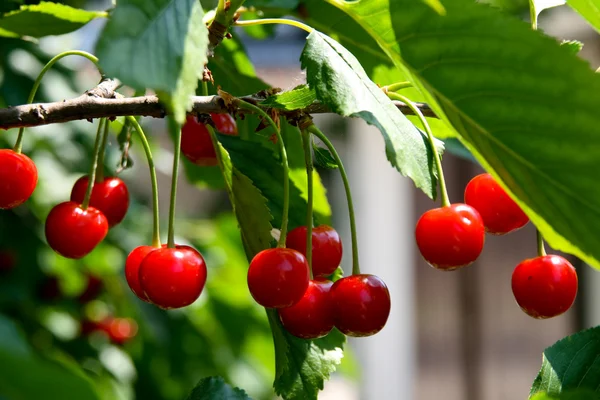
<point>297,98</point>
<point>584,394</point>
<point>574,45</point>
<point>323,158</point>
<point>215,388</point>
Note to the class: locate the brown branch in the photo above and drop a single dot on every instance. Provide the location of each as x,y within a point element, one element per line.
<point>104,102</point>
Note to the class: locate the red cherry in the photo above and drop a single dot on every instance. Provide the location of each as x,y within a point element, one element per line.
<point>173,277</point>
<point>545,286</point>
<point>74,232</point>
<point>326,250</point>
<point>450,237</point>
<point>499,212</point>
<point>278,277</point>
<point>132,269</point>
<point>109,196</point>
<point>18,177</point>
<point>92,289</point>
<point>88,326</point>
<point>361,304</point>
<point>120,330</point>
<point>312,316</point>
<point>196,144</point>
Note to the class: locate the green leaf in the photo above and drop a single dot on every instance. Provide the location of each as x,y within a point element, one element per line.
<point>342,84</point>
<point>280,4</point>
<point>588,9</point>
<point>263,167</point>
<point>436,5</point>
<point>5,33</point>
<point>215,388</point>
<point>300,97</point>
<point>302,366</point>
<point>157,44</point>
<point>46,19</point>
<point>570,363</point>
<point>568,395</point>
<point>511,93</point>
<point>31,377</point>
<point>574,46</point>
<point>323,158</point>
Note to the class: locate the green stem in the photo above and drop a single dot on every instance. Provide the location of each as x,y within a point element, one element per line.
<point>309,197</point>
<point>394,87</point>
<point>281,21</point>
<point>533,14</point>
<point>175,129</point>
<point>38,81</point>
<point>284,161</point>
<point>541,250</point>
<point>204,88</point>
<point>431,139</point>
<point>100,171</point>
<point>355,261</point>
<point>92,176</point>
<point>148,151</point>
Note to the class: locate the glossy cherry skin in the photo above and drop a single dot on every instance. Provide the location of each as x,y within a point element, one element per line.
<point>173,277</point>
<point>450,237</point>
<point>74,232</point>
<point>361,304</point>
<point>109,196</point>
<point>312,316</point>
<point>278,278</point>
<point>132,269</point>
<point>18,178</point>
<point>326,248</point>
<point>196,144</point>
<point>499,212</point>
<point>545,286</point>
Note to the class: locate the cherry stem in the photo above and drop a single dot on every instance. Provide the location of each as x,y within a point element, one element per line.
<point>281,21</point>
<point>38,81</point>
<point>533,15</point>
<point>100,170</point>
<point>541,250</point>
<point>309,197</point>
<point>355,261</point>
<point>284,162</point>
<point>92,176</point>
<point>175,129</point>
<point>148,151</point>
<point>431,140</point>
<point>204,88</point>
<point>394,87</point>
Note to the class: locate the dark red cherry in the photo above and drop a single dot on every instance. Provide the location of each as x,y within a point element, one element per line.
<point>18,177</point>
<point>499,212</point>
<point>74,232</point>
<point>326,248</point>
<point>173,277</point>
<point>132,269</point>
<point>278,277</point>
<point>312,316</point>
<point>196,144</point>
<point>109,196</point>
<point>92,290</point>
<point>450,237</point>
<point>361,304</point>
<point>545,286</point>
<point>8,260</point>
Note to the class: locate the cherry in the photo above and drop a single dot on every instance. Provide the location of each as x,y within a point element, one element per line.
<point>120,330</point>
<point>173,277</point>
<point>450,237</point>
<point>196,144</point>
<point>18,177</point>
<point>74,232</point>
<point>109,196</point>
<point>499,212</point>
<point>278,277</point>
<point>132,269</point>
<point>326,248</point>
<point>545,286</point>
<point>92,289</point>
<point>312,316</point>
<point>361,304</point>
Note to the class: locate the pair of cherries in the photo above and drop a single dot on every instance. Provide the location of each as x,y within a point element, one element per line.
<point>196,143</point>
<point>452,237</point>
<point>279,278</point>
<point>166,277</point>
<point>73,231</point>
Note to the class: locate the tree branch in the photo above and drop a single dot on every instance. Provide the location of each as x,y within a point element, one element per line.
<point>104,102</point>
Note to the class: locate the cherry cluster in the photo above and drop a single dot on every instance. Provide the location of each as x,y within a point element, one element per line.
<point>453,236</point>
<point>358,305</point>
